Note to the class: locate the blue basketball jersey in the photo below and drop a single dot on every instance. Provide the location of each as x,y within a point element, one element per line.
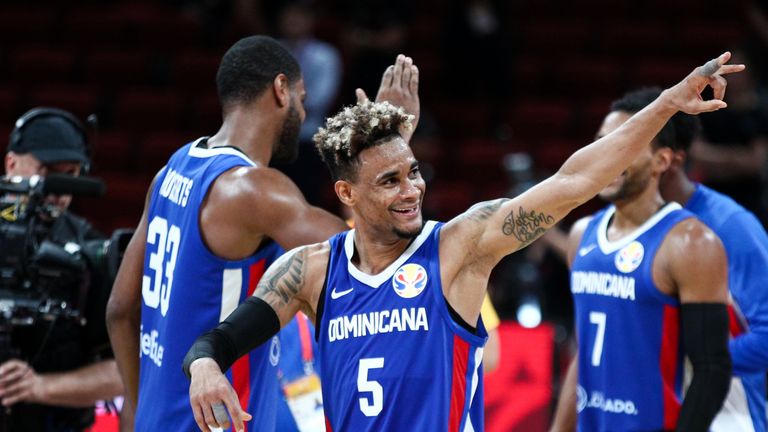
<point>187,290</point>
<point>630,355</point>
<point>746,245</point>
<point>391,356</point>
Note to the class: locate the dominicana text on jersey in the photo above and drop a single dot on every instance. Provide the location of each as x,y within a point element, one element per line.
<point>391,356</point>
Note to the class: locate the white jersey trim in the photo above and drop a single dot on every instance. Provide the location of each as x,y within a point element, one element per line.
<point>231,286</point>
<point>202,152</point>
<point>374,281</point>
<point>607,246</point>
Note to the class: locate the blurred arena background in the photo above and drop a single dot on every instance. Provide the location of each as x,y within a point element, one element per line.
<point>508,90</point>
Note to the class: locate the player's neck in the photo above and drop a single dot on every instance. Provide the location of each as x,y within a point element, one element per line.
<point>253,134</point>
<point>677,186</point>
<point>633,212</point>
<point>374,252</point>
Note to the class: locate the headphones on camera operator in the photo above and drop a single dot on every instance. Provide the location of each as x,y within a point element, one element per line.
<point>73,145</point>
<point>33,269</point>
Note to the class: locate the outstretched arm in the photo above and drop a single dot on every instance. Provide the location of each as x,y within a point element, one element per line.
<point>501,227</point>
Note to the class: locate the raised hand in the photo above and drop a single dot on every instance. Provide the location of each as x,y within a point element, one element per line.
<point>686,95</point>
<point>211,397</point>
<point>399,86</point>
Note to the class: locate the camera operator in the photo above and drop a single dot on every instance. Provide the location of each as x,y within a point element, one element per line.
<point>56,368</point>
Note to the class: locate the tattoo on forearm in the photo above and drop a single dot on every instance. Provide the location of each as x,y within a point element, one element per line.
<point>284,281</point>
<point>484,210</point>
<point>526,226</point>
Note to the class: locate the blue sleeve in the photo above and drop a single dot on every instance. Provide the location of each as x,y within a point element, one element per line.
<point>746,244</point>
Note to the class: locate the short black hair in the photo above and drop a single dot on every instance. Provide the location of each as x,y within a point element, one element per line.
<point>677,134</point>
<point>250,66</point>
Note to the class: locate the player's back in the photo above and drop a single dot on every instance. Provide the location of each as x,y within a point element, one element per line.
<point>746,245</point>
<point>392,357</point>
<point>187,290</point>
<point>630,356</point>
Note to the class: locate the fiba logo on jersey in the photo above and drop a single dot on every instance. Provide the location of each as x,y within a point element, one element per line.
<point>409,280</point>
<point>274,351</point>
<point>630,257</point>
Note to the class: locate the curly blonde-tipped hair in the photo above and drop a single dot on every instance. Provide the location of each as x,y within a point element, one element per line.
<point>356,128</point>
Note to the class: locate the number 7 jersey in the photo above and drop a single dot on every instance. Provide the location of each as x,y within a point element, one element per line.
<point>630,355</point>
<point>392,358</point>
<point>187,290</point>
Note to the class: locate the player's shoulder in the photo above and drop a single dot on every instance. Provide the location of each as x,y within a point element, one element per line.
<point>255,186</point>
<point>692,239</point>
<point>578,227</point>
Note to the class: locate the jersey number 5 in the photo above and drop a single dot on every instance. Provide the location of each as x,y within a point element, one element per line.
<point>373,408</point>
<point>154,291</point>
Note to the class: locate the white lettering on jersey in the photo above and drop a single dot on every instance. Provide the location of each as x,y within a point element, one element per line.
<point>372,323</point>
<point>604,284</point>
<point>176,188</point>
<point>150,346</point>
<point>597,400</point>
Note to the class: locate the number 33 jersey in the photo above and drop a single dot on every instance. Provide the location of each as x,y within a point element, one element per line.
<point>186,290</point>
<point>630,355</point>
<point>392,358</point>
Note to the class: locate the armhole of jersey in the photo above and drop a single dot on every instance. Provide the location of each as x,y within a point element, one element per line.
<point>321,299</point>
<point>458,319</point>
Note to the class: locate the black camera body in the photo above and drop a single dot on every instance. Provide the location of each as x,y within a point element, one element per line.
<point>41,278</point>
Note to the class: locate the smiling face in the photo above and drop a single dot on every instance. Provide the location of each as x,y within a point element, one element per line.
<point>387,191</point>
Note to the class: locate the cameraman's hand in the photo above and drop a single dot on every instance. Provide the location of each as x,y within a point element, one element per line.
<point>19,383</point>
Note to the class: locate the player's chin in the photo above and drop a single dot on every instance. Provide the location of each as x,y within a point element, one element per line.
<point>610,192</point>
<point>410,229</point>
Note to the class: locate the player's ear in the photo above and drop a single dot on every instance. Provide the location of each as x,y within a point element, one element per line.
<point>281,90</point>
<point>678,159</point>
<point>345,192</point>
<point>663,158</point>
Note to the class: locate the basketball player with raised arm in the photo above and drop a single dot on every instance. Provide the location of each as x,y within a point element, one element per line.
<point>650,286</point>
<point>397,300</point>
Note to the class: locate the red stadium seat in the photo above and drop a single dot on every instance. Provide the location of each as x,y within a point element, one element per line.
<point>155,148</point>
<point>142,109</point>
<point>25,25</point>
<point>34,65</point>
<point>447,199</point>
<point>196,69</point>
<point>94,26</point>
<point>81,101</point>
<point>117,68</point>
<point>541,118</point>
<point>9,104</point>
<point>113,152</point>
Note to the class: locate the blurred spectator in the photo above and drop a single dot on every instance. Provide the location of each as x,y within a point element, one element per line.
<point>474,39</point>
<point>732,156</point>
<point>374,32</point>
<point>756,14</point>
<point>321,65</point>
